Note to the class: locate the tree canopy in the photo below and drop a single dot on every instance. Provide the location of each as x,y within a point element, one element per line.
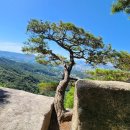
<point>79,43</point>
<point>121,5</point>
<point>122,61</point>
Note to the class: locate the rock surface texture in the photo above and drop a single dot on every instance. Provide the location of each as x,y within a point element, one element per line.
<point>20,110</point>
<point>101,105</point>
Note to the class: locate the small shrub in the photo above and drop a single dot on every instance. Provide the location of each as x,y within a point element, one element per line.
<point>47,88</point>
<point>69,99</point>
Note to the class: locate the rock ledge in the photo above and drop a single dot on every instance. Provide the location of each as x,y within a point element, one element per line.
<point>20,110</point>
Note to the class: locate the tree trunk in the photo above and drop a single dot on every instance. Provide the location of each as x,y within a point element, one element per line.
<point>62,114</point>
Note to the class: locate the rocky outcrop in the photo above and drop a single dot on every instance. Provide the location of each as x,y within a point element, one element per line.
<point>20,110</point>
<point>101,105</point>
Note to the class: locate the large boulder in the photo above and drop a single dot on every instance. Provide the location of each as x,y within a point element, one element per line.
<point>20,110</point>
<point>101,105</point>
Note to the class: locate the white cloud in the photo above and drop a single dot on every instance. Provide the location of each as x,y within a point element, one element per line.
<point>11,46</point>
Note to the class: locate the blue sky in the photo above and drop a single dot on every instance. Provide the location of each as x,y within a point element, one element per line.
<point>93,15</point>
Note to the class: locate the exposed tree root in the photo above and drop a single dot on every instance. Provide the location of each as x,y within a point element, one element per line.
<point>67,116</point>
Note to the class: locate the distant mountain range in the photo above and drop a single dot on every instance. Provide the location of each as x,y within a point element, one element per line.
<point>28,63</point>
<point>18,56</point>
<point>26,58</point>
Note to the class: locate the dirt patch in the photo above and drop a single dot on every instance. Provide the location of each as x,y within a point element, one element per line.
<point>65,126</point>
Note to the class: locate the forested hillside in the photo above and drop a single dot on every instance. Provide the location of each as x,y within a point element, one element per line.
<point>23,76</point>
<point>16,72</point>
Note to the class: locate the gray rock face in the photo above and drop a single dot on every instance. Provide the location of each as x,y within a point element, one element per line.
<point>101,105</point>
<point>20,110</point>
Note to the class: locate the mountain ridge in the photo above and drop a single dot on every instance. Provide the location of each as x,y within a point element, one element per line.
<point>20,57</point>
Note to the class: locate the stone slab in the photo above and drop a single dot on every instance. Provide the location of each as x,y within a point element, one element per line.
<point>20,110</point>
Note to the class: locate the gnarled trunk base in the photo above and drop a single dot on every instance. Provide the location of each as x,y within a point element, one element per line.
<point>62,114</point>
<point>67,116</point>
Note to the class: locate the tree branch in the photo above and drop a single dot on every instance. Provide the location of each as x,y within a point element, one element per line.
<point>73,79</point>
